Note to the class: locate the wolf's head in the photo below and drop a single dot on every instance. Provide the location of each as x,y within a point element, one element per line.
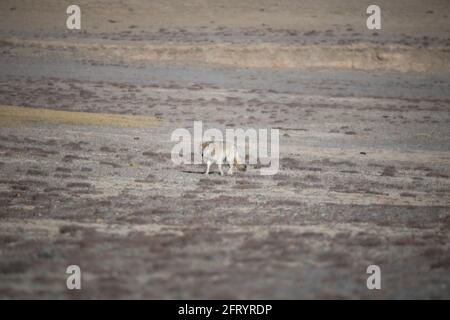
<point>242,167</point>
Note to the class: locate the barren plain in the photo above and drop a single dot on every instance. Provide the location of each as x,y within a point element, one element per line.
<point>86,176</point>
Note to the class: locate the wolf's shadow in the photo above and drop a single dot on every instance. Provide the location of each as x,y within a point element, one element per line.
<point>200,172</point>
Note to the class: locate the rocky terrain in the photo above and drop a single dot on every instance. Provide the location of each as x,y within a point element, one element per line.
<point>86,176</point>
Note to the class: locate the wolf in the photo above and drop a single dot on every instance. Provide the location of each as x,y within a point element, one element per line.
<point>221,152</point>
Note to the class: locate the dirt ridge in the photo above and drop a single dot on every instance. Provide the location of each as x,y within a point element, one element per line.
<point>361,56</point>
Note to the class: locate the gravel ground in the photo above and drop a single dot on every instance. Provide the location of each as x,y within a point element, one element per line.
<point>364,178</point>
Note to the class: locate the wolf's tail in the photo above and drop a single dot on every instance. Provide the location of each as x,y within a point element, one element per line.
<point>238,163</point>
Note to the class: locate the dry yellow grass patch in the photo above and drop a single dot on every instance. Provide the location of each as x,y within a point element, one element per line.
<point>13,116</point>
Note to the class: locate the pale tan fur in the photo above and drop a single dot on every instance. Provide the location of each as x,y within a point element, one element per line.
<point>220,152</point>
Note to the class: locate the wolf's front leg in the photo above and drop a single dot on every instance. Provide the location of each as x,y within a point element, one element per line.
<point>208,164</point>
<point>220,168</point>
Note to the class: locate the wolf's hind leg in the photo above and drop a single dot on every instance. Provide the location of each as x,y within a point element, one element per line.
<point>220,168</point>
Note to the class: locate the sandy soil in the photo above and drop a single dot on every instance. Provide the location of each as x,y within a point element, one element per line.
<point>269,34</point>
<point>233,19</point>
<point>86,176</point>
